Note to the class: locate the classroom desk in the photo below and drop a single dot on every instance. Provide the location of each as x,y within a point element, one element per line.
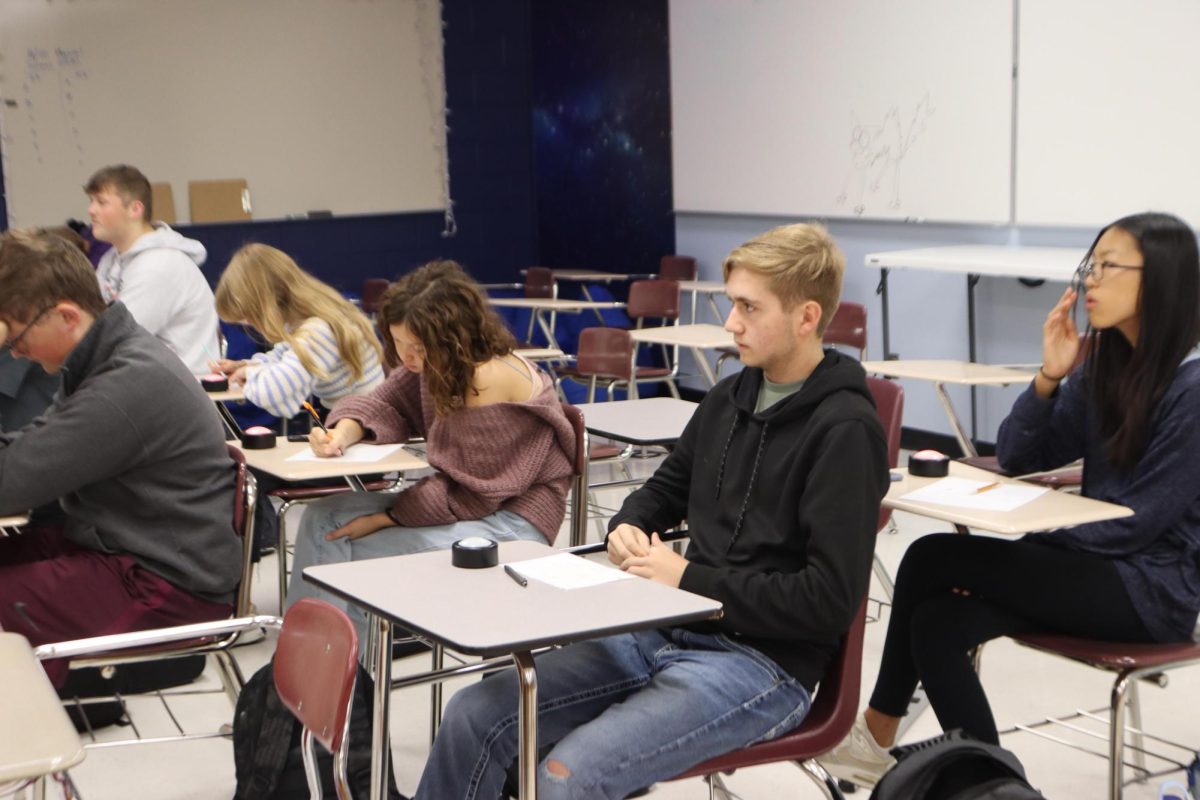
<point>1048,511</point>
<point>710,290</point>
<point>540,353</point>
<point>275,462</point>
<point>975,262</point>
<point>10,522</point>
<point>697,336</point>
<point>540,306</point>
<point>426,595</point>
<point>234,394</point>
<point>37,737</point>
<point>650,421</point>
<point>941,372</point>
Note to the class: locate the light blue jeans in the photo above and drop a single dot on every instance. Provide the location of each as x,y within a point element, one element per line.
<point>331,513</point>
<point>619,713</point>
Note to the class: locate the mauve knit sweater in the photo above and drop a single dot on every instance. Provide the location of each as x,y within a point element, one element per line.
<point>499,457</point>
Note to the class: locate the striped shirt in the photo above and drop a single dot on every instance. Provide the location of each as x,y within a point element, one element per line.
<point>278,382</point>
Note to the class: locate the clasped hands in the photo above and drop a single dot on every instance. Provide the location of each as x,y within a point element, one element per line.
<point>645,556</point>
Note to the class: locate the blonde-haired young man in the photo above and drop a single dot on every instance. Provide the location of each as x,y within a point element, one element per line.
<point>779,475</point>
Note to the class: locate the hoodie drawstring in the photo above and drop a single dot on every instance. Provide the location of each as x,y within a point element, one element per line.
<point>754,474</point>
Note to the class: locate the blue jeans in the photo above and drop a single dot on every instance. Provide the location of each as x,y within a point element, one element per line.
<point>619,713</point>
<point>331,513</point>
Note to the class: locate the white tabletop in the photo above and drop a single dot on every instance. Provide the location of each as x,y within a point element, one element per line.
<point>654,420</point>
<point>1046,512</point>
<point>36,738</point>
<point>965,373</point>
<point>592,275</point>
<point>551,303</point>
<point>235,392</point>
<point>275,461</point>
<point>14,520</point>
<point>703,335</point>
<point>484,612</point>
<point>539,353</point>
<point>703,287</point>
<point>1046,263</point>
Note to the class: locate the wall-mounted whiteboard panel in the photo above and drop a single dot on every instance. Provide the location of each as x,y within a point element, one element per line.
<point>855,108</point>
<point>318,104</point>
<point>1108,110</point>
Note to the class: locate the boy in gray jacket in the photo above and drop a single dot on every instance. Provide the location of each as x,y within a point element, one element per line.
<point>132,450</point>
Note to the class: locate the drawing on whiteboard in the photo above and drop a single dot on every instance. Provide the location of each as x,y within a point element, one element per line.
<point>876,153</point>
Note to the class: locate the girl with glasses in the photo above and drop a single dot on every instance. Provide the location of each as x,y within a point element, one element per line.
<point>1128,406</point>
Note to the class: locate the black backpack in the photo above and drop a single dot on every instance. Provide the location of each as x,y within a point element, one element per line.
<point>266,745</point>
<point>954,766</point>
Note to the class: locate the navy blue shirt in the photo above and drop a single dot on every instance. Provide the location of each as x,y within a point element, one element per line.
<point>1157,550</point>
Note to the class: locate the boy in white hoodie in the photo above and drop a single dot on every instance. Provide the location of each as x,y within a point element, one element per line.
<point>152,269</point>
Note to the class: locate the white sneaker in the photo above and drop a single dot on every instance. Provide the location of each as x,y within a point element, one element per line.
<point>859,758</point>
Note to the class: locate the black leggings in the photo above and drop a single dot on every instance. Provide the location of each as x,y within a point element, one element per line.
<point>1014,587</point>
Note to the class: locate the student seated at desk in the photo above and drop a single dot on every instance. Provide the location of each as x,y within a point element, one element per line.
<point>131,450</point>
<point>152,269</point>
<point>494,428</point>
<point>1131,411</point>
<point>779,473</point>
<point>323,344</point>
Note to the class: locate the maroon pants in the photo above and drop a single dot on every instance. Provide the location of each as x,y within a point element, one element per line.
<point>52,591</point>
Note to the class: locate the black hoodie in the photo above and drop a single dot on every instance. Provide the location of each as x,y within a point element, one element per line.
<point>782,509</point>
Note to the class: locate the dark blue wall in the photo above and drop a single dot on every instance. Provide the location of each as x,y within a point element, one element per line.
<point>602,133</point>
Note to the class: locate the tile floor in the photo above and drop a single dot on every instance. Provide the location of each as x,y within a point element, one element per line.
<point>1023,685</point>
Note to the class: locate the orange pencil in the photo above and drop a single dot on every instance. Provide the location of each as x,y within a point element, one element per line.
<point>315,415</point>
<point>986,488</point>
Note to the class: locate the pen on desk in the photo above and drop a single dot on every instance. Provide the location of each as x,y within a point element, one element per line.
<point>516,576</point>
<point>986,488</point>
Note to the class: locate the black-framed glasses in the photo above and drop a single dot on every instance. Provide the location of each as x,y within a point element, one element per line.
<point>13,344</point>
<point>1096,269</point>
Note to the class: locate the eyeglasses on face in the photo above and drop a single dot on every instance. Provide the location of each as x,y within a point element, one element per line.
<point>1096,269</point>
<point>13,344</point>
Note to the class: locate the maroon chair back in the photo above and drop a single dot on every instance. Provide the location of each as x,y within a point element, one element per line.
<point>653,298</point>
<point>239,488</point>
<point>539,282</point>
<point>372,292</point>
<point>677,268</point>
<point>605,353</point>
<point>848,327</point>
<point>316,662</point>
<point>889,403</point>
<point>828,721</point>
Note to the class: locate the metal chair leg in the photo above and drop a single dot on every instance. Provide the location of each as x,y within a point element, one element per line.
<point>1116,736</point>
<point>230,674</point>
<point>281,551</point>
<point>823,779</point>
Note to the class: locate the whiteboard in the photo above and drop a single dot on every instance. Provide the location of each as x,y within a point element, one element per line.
<point>856,108</point>
<point>1107,111</point>
<point>319,104</point>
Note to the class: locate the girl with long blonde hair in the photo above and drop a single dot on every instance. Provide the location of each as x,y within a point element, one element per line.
<point>323,345</point>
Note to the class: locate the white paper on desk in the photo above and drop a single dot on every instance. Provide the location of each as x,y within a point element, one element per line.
<point>356,454</point>
<point>960,492</point>
<point>566,571</point>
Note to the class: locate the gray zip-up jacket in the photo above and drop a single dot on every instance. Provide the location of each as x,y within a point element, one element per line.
<point>134,451</point>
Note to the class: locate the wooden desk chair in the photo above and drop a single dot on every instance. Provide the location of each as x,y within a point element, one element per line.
<point>1131,663</point>
<point>146,645</point>
<point>828,722</point>
<point>889,403</point>
<point>677,268</point>
<point>650,300</point>
<point>605,358</point>
<point>316,663</point>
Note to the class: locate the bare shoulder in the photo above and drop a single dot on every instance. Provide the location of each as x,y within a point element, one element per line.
<point>504,379</point>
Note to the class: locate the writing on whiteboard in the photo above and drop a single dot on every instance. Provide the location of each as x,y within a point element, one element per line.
<point>877,153</point>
